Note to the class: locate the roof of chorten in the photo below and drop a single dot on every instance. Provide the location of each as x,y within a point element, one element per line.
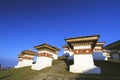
<point>29,52</point>
<point>83,39</point>
<point>114,46</point>
<point>45,45</point>
<point>20,55</point>
<point>100,44</point>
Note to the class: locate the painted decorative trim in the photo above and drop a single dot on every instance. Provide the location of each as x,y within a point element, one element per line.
<point>82,51</point>
<point>28,58</point>
<point>45,54</point>
<point>97,49</point>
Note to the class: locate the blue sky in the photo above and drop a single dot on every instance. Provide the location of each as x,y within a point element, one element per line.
<point>27,23</point>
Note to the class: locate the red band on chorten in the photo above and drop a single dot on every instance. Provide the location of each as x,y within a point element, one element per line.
<point>28,58</point>
<point>45,54</point>
<point>82,51</point>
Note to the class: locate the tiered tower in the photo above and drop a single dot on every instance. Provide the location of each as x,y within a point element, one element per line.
<point>46,53</point>
<point>114,49</point>
<point>99,53</point>
<point>25,58</point>
<point>20,58</point>
<point>68,52</point>
<point>82,48</point>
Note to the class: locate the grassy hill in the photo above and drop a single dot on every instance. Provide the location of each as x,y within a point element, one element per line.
<point>60,71</point>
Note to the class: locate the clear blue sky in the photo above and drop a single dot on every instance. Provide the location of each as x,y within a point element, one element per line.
<point>27,23</point>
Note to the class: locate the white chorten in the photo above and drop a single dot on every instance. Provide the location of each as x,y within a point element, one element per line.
<point>99,53</point>
<point>25,58</point>
<point>20,58</point>
<point>46,53</point>
<point>114,49</point>
<point>82,48</point>
<point>68,52</point>
<point>43,60</point>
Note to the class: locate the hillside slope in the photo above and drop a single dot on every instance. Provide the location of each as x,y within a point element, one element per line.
<point>60,71</point>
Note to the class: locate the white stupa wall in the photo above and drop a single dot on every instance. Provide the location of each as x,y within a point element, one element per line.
<point>83,63</point>
<point>27,60</point>
<point>55,56</point>
<point>83,58</point>
<point>87,59</point>
<point>85,69</point>
<point>71,57</point>
<point>19,63</point>
<point>42,62</point>
<point>98,54</point>
<point>82,47</point>
<point>69,53</point>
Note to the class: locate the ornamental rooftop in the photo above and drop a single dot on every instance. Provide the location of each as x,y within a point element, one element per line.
<point>83,40</point>
<point>45,45</point>
<point>28,52</point>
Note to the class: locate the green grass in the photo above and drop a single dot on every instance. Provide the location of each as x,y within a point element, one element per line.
<point>110,70</point>
<point>18,74</point>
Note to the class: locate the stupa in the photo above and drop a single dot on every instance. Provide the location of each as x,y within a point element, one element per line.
<point>82,48</point>
<point>99,53</point>
<point>46,53</point>
<point>25,58</point>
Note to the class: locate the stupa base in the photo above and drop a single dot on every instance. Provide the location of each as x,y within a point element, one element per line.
<point>39,67</point>
<point>85,69</point>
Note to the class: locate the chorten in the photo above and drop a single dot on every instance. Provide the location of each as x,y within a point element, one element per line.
<point>46,53</point>
<point>114,49</point>
<point>82,48</point>
<point>25,58</point>
<point>68,52</point>
<point>99,53</point>
<point>20,58</point>
<point>48,49</point>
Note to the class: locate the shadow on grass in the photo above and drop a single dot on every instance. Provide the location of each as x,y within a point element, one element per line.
<point>109,68</point>
<point>109,71</point>
<point>68,63</point>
